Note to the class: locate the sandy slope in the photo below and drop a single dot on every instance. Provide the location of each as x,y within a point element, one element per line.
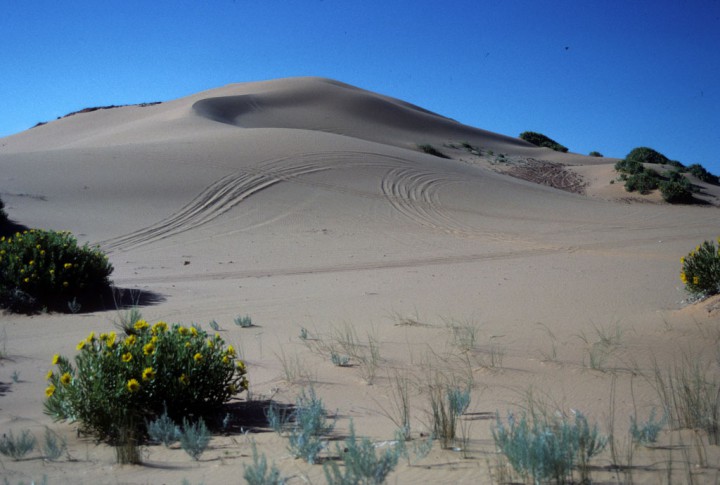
<point>305,203</point>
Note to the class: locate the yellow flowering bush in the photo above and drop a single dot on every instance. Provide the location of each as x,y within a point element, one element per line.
<point>701,270</point>
<point>123,381</point>
<point>47,269</point>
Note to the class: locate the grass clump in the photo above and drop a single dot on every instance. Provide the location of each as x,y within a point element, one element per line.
<point>54,446</point>
<point>194,438</point>
<point>117,384</point>
<point>305,425</point>
<point>163,430</point>
<point>361,463</point>
<point>243,321</point>
<point>47,269</point>
<point>538,139</point>
<point>17,447</point>
<point>258,473</point>
<point>447,404</point>
<point>646,433</point>
<point>701,270</point>
<point>548,448</point>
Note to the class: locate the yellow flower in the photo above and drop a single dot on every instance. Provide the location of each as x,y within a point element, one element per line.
<point>65,284</point>
<point>90,337</point>
<point>231,350</point>
<point>127,357</point>
<point>149,348</point>
<point>197,357</point>
<point>682,260</point>
<point>696,280</point>
<point>65,379</point>
<point>226,360</point>
<point>194,331</point>
<point>55,359</point>
<point>67,265</point>
<point>49,375</point>
<point>133,385</point>
<point>154,339</point>
<point>49,390</point>
<point>187,345</point>
<point>184,379</point>
<point>42,253</point>
<point>140,325</point>
<point>110,341</point>
<point>211,343</point>
<point>232,389</point>
<point>26,280</point>
<point>683,277</point>
<point>159,327</point>
<point>148,374</point>
<point>32,262</point>
<point>241,367</point>
<point>81,345</point>
<point>182,330</point>
<point>130,341</point>
<point>244,383</point>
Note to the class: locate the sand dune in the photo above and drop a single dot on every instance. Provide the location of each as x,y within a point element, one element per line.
<point>306,203</point>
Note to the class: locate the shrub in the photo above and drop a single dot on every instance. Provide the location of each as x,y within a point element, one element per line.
<point>362,464</point>
<point>541,140</point>
<point>701,270</point>
<point>194,438</point>
<point>163,430</point>
<point>48,269</point>
<point>545,447</point>
<point>258,473</point>
<point>647,155</point>
<point>117,383</point>
<point>595,154</point>
<point>17,448</point>
<point>629,167</point>
<point>431,150</point>
<point>647,432</point>
<point>643,182</point>
<point>676,191</point>
<point>700,172</point>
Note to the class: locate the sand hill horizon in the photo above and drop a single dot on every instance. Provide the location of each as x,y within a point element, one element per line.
<point>311,204</point>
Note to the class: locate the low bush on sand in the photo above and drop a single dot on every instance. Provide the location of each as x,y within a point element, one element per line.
<point>47,269</point>
<point>701,270</point>
<point>118,383</point>
<point>541,140</point>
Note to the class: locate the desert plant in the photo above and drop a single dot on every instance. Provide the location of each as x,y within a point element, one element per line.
<point>538,139</point>
<point>243,322</point>
<point>545,447</point>
<point>647,155</point>
<point>339,360</point>
<point>431,150</point>
<point>676,191</point>
<point>447,404</point>
<point>399,412</point>
<point>647,432</point>
<point>163,430</point>
<point>258,473</point>
<point>47,269</point>
<point>595,154</point>
<point>17,447</point>
<point>309,422</point>
<point>643,182</point>
<point>194,438</point>
<point>118,383</point>
<point>701,172</point>
<point>54,446</point>
<point>629,166</point>
<point>361,463</point>
<point>690,396</point>
<point>701,270</point>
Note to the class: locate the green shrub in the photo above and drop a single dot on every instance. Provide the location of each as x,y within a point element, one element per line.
<point>194,438</point>
<point>676,191</point>
<point>538,139</point>
<point>646,433</point>
<point>17,448</point>
<point>258,473</point>
<point>48,269</point>
<point>117,384</point>
<point>595,154</point>
<point>701,172</point>
<point>643,182</point>
<point>629,167</point>
<point>647,155</point>
<point>701,270</point>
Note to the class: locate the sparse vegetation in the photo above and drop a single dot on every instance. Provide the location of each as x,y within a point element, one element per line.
<point>243,321</point>
<point>47,269</point>
<point>54,446</point>
<point>431,150</point>
<point>674,187</point>
<point>701,172</point>
<point>595,154</point>
<point>194,438</point>
<point>17,447</point>
<point>541,140</point>
<point>646,433</point>
<point>258,473</point>
<point>163,430</point>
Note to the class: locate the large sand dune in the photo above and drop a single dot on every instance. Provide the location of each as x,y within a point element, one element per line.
<point>306,203</point>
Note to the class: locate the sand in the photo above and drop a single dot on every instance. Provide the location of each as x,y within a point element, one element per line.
<point>306,203</point>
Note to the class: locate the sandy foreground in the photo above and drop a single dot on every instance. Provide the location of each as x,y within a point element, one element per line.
<point>306,204</point>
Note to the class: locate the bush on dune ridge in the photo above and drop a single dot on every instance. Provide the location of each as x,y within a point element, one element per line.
<point>541,140</point>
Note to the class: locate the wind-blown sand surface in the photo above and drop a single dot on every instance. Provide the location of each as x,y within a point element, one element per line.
<point>306,203</point>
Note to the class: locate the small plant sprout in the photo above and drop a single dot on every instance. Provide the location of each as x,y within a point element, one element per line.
<point>214,325</point>
<point>258,473</point>
<point>340,360</point>
<point>646,433</point>
<point>303,333</point>
<point>15,376</point>
<point>243,322</point>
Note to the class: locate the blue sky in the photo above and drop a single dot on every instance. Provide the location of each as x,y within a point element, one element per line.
<point>606,75</point>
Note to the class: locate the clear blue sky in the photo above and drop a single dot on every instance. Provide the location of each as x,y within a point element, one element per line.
<point>606,75</point>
